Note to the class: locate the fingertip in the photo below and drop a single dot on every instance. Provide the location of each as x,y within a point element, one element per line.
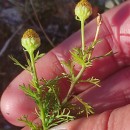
<point>15,104</point>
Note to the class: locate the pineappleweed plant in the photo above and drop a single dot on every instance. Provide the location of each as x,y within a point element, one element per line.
<point>50,109</point>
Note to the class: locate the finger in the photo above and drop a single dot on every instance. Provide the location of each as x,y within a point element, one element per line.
<point>114,92</point>
<point>117,119</point>
<point>114,34</point>
<point>49,66</point>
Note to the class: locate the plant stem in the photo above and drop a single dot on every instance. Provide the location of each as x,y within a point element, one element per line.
<point>42,115</point>
<point>97,32</point>
<point>99,21</point>
<point>82,36</point>
<point>73,85</point>
<point>34,74</point>
<point>82,69</point>
<point>36,86</point>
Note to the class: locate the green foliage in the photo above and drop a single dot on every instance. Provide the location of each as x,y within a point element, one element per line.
<point>87,107</point>
<point>80,57</point>
<point>84,59</point>
<point>69,65</point>
<point>49,97</point>
<point>16,62</point>
<point>53,112</point>
<point>28,66</point>
<point>32,93</point>
<point>50,109</point>
<point>92,80</point>
<point>30,124</point>
<point>38,56</point>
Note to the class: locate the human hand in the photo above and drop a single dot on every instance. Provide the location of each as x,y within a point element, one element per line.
<point>113,72</point>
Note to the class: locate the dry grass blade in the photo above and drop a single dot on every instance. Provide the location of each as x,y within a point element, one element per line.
<point>51,43</point>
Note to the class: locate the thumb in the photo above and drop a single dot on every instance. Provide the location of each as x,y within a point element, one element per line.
<point>117,119</point>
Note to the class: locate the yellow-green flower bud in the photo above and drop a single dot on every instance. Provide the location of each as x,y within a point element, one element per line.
<point>83,10</point>
<point>30,40</point>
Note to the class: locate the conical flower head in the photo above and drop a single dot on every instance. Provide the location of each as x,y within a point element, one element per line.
<point>83,10</point>
<point>30,40</point>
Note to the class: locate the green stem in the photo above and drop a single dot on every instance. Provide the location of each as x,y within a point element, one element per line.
<point>73,85</point>
<point>57,98</point>
<point>42,115</point>
<point>36,85</point>
<point>82,69</point>
<point>34,74</point>
<point>82,36</point>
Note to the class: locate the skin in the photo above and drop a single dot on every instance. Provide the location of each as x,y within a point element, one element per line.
<point>111,101</point>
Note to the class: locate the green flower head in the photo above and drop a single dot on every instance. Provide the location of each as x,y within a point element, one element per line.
<point>83,10</point>
<point>30,40</point>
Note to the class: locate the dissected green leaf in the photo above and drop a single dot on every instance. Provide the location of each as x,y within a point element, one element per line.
<point>28,91</point>
<point>70,67</point>
<point>78,56</point>
<point>38,56</point>
<point>91,47</point>
<point>16,62</point>
<point>88,108</point>
<point>102,56</point>
<point>92,80</point>
<point>53,112</point>
<point>32,125</point>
